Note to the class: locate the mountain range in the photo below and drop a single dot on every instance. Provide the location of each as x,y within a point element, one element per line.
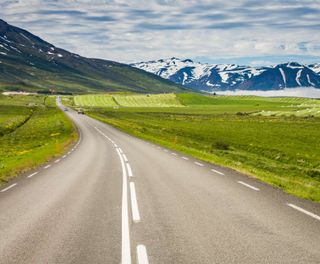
<point>231,77</point>
<point>29,63</point>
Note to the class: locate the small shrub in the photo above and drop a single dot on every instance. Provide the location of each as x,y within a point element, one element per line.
<point>221,145</point>
<point>242,114</point>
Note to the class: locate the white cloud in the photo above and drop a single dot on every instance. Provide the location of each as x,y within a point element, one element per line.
<point>141,30</point>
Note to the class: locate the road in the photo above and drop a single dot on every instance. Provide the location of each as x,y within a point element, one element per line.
<point>118,199</point>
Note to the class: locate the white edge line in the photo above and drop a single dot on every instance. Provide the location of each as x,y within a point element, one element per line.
<point>48,166</point>
<point>249,186</point>
<point>134,204</point>
<point>185,158</point>
<point>64,156</point>
<point>31,175</point>
<point>304,211</point>
<point>198,163</point>
<point>58,160</point>
<point>9,187</point>
<point>221,173</point>
<point>125,231</point>
<point>174,154</point>
<point>129,170</point>
<point>142,256</point>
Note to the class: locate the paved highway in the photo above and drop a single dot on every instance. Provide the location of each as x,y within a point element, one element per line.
<point>117,199</point>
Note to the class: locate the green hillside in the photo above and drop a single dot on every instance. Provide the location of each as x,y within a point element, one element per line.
<point>31,64</point>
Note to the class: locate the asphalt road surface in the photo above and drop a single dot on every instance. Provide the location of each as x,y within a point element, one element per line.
<point>118,199</point>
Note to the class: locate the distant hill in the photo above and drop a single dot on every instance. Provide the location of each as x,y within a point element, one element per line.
<point>228,77</point>
<point>29,63</point>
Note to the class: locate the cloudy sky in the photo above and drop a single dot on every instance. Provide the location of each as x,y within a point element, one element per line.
<point>236,31</point>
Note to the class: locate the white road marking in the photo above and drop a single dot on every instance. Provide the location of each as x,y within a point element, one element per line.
<point>120,150</point>
<point>69,152</point>
<point>165,150</point>
<point>58,160</point>
<point>198,163</point>
<point>142,256</point>
<point>129,170</point>
<point>48,166</point>
<point>221,173</point>
<point>304,211</point>
<point>115,145</point>
<point>9,187</point>
<point>134,204</point>
<point>185,158</point>
<point>31,175</point>
<point>125,231</point>
<point>174,154</point>
<point>249,186</point>
<point>125,157</point>
<point>64,156</point>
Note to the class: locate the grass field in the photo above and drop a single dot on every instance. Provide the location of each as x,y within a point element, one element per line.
<point>281,149</point>
<point>32,130</point>
<point>127,100</point>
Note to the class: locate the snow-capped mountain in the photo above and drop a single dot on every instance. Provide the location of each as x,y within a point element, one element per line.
<point>221,77</point>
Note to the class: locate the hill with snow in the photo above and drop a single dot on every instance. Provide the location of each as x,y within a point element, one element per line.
<point>231,77</point>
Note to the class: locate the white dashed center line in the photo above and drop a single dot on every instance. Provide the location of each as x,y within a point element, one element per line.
<point>142,257</point>
<point>134,204</point>
<point>125,157</point>
<point>129,170</point>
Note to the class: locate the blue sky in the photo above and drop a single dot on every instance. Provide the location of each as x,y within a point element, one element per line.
<point>243,31</point>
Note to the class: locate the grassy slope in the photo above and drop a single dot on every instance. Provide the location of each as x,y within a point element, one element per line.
<point>283,151</point>
<point>46,134</point>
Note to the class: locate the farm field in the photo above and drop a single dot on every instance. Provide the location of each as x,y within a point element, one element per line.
<point>32,130</point>
<point>127,100</point>
<point>281,149</point>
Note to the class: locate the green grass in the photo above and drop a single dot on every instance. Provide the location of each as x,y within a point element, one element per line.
<point>149,100</point>
<point>281,150</point>
<point>104,100</point>
<point>38,132</point>
<point>127,100</point>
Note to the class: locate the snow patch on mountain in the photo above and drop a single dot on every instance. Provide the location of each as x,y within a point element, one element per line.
<point>219,77</point>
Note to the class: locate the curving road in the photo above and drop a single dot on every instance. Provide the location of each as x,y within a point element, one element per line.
<point>117,199</point>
